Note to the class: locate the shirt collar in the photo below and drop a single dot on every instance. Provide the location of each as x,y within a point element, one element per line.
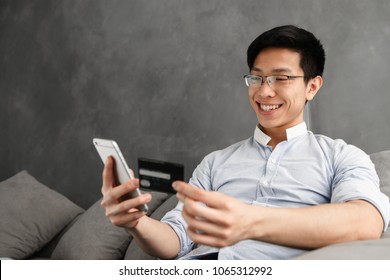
<point>291,132</point>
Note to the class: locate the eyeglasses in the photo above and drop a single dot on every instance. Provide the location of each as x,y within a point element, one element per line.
<point>273,81</point>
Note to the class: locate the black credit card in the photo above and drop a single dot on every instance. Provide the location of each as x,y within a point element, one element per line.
<point>159,175</point>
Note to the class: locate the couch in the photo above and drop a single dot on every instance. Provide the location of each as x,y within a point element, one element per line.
<point>38,223</point>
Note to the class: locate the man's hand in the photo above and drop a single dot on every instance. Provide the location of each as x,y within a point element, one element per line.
<point>121,213</point>
<point>218,221</point>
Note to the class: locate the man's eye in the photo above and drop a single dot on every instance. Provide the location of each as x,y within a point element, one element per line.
<point>281,78</point>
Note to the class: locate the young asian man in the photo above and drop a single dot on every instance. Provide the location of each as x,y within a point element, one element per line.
<point>275,195</point>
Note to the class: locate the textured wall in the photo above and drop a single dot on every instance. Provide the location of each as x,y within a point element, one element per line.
<point>164,79</point>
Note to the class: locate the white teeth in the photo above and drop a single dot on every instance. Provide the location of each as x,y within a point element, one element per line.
<point>269,107</point>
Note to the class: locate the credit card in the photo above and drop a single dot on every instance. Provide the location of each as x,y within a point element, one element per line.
<point>159,175</point>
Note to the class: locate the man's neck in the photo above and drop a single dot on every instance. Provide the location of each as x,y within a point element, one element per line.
<point>277,135</point>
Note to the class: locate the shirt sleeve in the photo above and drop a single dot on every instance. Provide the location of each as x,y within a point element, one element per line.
<point>174,218</point>
<point>356,178</point>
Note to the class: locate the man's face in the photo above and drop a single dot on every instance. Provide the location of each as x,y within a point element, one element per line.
<point>282,106</point>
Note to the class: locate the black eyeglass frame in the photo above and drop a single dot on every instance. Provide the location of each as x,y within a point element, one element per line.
<point>265,78</point>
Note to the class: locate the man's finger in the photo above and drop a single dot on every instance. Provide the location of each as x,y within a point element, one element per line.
<point>108,174</point>
<point>124,189</point>
<point>203,212</point>
<point>211,199</point>
<point>126,205</point>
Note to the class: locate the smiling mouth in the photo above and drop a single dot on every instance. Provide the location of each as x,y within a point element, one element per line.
<point>268,108</point>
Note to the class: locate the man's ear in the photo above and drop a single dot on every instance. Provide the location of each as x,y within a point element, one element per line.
<point>313,86</point>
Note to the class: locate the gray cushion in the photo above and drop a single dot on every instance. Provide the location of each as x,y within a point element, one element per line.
<point>356,250</point>
<point>382,166</point>
<point>93,237</point>
<point>31,215</point>
<point>134,252</point>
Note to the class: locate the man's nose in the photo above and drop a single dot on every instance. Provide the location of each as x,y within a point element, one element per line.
<point>265,90</point>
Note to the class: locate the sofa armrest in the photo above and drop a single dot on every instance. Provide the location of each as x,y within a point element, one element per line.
<point>357,250</point>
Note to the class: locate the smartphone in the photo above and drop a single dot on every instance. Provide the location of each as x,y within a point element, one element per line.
<point>122,173</point>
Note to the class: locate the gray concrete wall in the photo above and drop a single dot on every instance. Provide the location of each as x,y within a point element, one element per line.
<point>164,79</point>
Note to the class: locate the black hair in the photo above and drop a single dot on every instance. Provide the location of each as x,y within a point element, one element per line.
<point>296,39</point>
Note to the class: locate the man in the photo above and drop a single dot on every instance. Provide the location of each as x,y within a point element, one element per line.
<point>272,196</point>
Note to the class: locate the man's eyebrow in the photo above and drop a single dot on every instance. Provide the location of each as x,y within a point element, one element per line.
<point>282,70</point>
<point>256,69</point>
<point>274,71</point>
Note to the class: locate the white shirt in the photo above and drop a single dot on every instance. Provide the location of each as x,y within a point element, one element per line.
<point>302,171</point>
